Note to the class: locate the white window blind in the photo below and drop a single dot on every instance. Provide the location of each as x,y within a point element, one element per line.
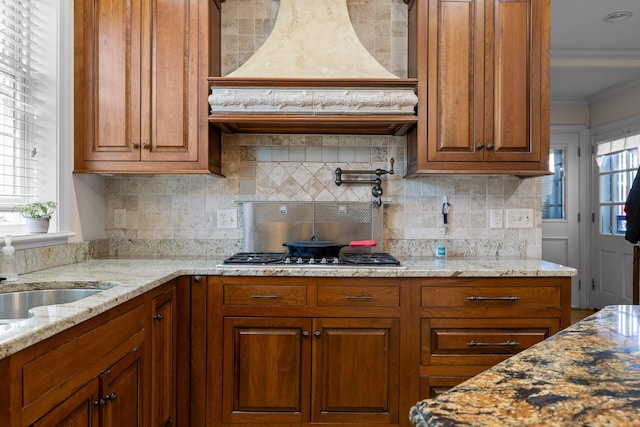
<point>19,68</point>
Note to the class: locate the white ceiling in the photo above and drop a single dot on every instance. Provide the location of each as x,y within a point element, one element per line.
<point>591,57</point>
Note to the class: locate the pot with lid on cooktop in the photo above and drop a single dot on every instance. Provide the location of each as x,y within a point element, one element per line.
<point>314,248</point>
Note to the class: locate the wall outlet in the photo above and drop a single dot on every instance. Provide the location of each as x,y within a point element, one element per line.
<point>496,220</point>
<point>227,218</point>
<point>119,218</point>
<point>519,218</point>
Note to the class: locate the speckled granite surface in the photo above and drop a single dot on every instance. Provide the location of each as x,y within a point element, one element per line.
<point>585,375</point>
<point>126,278</point>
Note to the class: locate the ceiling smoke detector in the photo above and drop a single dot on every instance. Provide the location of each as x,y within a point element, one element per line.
<point>617,17</point>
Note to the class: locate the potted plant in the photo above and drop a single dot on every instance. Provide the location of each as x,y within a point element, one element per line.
<point>38,215</point>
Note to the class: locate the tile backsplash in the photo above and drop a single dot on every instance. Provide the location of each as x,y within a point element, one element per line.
<point>177,214</point>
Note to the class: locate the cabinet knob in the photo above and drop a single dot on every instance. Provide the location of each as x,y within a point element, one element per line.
<point>157,317</point>
<point>197,279</point>
<point>490,147</point>
<point>317,334</point>
<point>110,397</point>
<point>99,403</point>
<point>146,146</point>
<point>480,146</point>
<point>136,145</point>
<point>305,334</point>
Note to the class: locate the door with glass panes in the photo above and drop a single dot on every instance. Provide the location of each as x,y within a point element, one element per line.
<point>615,164</point>
<point>561,206</point>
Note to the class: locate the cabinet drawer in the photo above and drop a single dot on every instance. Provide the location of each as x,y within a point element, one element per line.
<point>484,341</point>
<point>274,295</point>
<point>358,296</point>
<point>490,296</point>
<point>480,341</point>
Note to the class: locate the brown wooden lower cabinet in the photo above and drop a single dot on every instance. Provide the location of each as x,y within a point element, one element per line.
<point>470,324</point>
<point>299,370</point>
<point>303,351</point>
<point>120,368</point>
<point>223,351</point>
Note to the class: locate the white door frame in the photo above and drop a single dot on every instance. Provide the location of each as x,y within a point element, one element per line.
<point>600,133</point>
<point>584,272</point>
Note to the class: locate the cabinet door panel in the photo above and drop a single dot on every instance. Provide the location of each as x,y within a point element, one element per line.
<point>356,370</point>
<point>173,59</point>
<point>163,359</point>
<point>120,387</point>
<point>508,106</point>
<point>111,91</point>
<point>77,410</point>
<point>455,81</point>
<point>266,370</point>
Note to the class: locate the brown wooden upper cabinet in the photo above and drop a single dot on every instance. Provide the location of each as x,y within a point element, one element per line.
<point>141,88</point>
<point>483,86</point>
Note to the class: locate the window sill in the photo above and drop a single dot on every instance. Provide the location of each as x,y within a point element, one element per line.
<point>30,241</point>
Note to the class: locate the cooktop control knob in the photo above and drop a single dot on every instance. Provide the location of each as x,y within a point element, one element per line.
<point>312,260</point>
<point>336,260</point>
<point>300,261</point>
<point>287,260</point>
<point>323,261</point>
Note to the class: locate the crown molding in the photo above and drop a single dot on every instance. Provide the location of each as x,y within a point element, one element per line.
<point>560,52</point>
<point>613,91</point>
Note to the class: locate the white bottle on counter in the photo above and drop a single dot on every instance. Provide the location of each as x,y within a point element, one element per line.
<point>9,268</point>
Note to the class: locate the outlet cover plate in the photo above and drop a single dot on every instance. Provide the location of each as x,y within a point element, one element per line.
<point>227,218</point>
<point>119,218</point>
<point>496,219</point>
<point>519,218</point>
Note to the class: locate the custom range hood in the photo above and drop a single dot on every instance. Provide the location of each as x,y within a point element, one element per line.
<point>312,75</point>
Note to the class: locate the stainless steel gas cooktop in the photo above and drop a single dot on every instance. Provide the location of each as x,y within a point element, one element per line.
<point>346,259</point>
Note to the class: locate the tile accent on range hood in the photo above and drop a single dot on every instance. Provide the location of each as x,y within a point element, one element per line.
<point>313,75</point>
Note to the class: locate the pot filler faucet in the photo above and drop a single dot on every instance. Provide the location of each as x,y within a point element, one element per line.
<point>376,190</point>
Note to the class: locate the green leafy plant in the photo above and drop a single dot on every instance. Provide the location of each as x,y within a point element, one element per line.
<point>38,210</point>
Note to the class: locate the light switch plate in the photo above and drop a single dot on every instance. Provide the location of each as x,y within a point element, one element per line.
<point>519,218</point>
<point>496,219</point>
<point>119,218</point>
<point>227,218</point>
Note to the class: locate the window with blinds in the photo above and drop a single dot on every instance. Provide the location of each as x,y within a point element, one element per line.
<point>19,67</point>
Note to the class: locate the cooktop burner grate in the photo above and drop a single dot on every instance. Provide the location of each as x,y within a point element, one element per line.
<point>379,259</point>
<point>256,258</point>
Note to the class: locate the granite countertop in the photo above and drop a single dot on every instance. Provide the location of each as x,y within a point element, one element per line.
<point>586,375</point>
<point>125,278</point>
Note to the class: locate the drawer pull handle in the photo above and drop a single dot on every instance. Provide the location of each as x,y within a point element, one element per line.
<point>475,298</point>
<point>359,297</point>
<point>507,343</point>
<point>264,296</point>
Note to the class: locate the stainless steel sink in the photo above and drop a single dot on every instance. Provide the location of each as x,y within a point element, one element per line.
<point>15,305</point>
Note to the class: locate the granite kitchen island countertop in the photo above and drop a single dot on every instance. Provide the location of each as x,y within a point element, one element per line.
<point>585,375</point>
<point>126,278</point>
